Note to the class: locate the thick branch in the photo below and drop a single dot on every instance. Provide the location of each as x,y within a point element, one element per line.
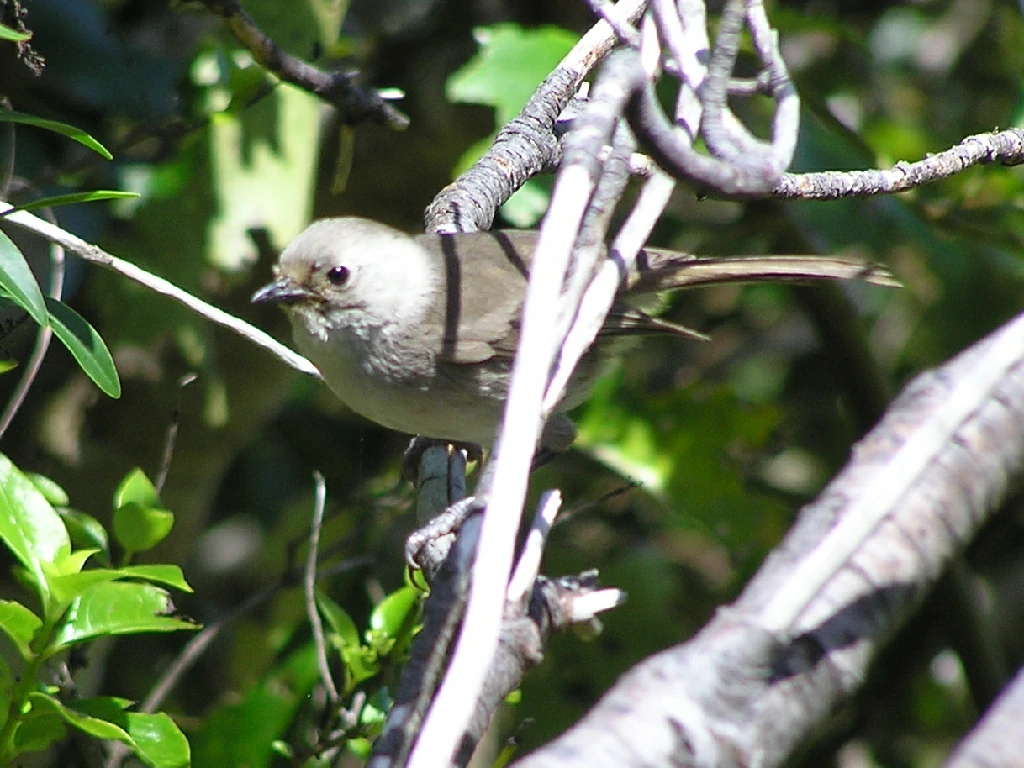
<point>527,145</point>
<point>998,739</point>
<point>745,691</point>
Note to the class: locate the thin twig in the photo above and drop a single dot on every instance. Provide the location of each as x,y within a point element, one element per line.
<point>42,344</point>
<point>336,88</point>
<point>96,255</point>
<point>1006,147</point>
<point>309,588</point>
<point>172,434</point>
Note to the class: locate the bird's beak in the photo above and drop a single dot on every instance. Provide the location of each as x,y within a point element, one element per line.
<point>282,291</point>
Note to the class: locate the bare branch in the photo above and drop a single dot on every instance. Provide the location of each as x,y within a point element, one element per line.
<point>96,255</point>
<point>1006,147</point>
<point>336,88</point>
<point>748,689</point>
<point>528,144</point>
<point>309,589</point>
<point>998,739</point>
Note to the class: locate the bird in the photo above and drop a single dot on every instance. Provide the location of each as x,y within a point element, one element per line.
<point>419,332</point>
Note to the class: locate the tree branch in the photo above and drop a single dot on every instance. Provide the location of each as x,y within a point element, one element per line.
<point>96,255</point>
<point>336,88</point>
<point>751,686</point>
<point>1006,147</point>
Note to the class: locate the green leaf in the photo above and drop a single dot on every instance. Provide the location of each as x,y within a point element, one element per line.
<point>76,197</point>
<point>165,575</point>
<point>338,621</point>
<point>6,33</point>
<point>85,345</point>
<point>18,282</point>
<point>29,526</point>
<point>86,531</point>
<point>139,529</point>
<point>511,63</point>
<point>8,365</point>
<point>68,586</point>
<point>20,625</point>
<point>361,662</point>
<point>158,740</point>
<point>154,738</point>
<point>38,730</point>
<point>243,733</point>
<point>396,612</point>
<point>136,488</point>
<point>53,492</point>
<point>83,138</point>
<point>117,608</point>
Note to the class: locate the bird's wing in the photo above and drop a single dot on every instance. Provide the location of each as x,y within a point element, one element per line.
<point>475,326</point>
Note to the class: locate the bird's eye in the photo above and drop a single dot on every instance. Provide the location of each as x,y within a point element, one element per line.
<point>337,276</point>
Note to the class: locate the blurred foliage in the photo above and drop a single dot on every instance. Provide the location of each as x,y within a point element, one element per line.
<point>511,63</point>
<point>693,458</point>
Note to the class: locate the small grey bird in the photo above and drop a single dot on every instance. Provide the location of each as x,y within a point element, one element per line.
<point>419,332</point>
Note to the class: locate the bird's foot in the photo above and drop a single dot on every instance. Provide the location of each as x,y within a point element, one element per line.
<point>445,524</point>
<point>418,446</point>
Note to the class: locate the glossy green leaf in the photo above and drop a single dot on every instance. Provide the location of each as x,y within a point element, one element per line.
<point>73,562</point>
<point>20,625</point>
<point>38,730</point>
<point>66,579</point>
<point>136,488</point>
<point>18,282</point>
<point>394,614</point>
<point>6,33</point>
<point>154,737</point>
<point>85,345</point>
<point>118,608</point>
<point>68,586</point>
<point>75,197</point>
<point>164,575</point>
<point>8,365</point>
<point>86,532</point>
<point>45,705</point>
<point>77,134</point>
<point>50,490</point>
<point>29,526</point>
<point>138,528</point>
<point>158,740</point>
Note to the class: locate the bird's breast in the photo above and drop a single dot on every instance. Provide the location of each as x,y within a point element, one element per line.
<point>383,375</point>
